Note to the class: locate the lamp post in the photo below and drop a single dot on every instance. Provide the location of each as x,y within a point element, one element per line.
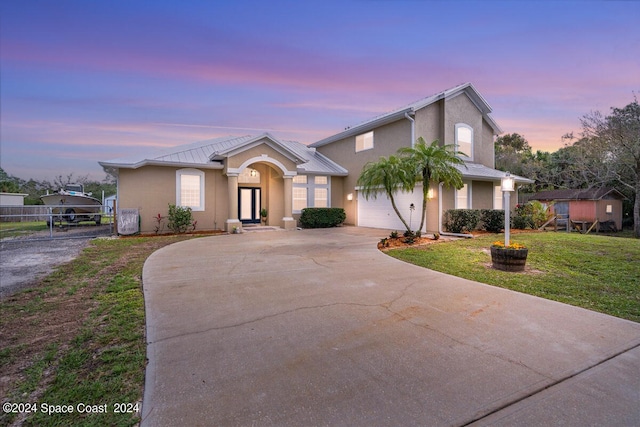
<point>507,186</point>
<point>412,207</point>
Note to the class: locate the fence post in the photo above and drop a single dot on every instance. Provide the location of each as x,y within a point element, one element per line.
<point>50,223</point>
<point>115,219</point>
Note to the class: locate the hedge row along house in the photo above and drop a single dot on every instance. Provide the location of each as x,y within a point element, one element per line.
<point>227,181</point>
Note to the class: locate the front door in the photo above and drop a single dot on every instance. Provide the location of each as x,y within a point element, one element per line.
<point>249,205</point>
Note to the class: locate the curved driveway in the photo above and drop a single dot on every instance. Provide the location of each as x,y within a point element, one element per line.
<point>317,327</point>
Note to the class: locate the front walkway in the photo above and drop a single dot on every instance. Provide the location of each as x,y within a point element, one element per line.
<point>317,327</point>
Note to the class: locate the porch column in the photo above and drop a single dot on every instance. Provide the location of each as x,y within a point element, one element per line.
<point>232,221</point>
<point>288,223</point>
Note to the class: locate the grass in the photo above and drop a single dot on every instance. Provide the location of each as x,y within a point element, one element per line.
<point>599,273</point>
<point>78,337</point>
<point>15,229</point>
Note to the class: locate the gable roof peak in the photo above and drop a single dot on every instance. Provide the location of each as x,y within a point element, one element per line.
<point>397,114</point>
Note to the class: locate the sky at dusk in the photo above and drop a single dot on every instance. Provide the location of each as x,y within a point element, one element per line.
<point>86,81</point>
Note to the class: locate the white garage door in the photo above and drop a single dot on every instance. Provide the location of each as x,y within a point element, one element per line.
<point>379,213</point>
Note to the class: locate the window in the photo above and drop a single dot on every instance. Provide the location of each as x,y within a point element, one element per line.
<point>299,198</point>
<point>497,197</point>
<point>310,191</point>
<point>320,198</point>
<point>364,141</point>
<point>190,189</point>
<point>609,209</point>
<point>249,176</point>
<point>464,140</point>
<point>462,197</point>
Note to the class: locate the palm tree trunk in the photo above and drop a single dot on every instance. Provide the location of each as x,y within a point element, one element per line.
<point>395,208</point>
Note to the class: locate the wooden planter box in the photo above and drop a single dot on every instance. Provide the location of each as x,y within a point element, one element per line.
<point>509,259</point>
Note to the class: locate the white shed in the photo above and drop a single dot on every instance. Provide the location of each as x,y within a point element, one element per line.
<point>12,199</point>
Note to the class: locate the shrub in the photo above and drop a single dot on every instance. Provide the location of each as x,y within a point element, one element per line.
<point>461,220</point>
<point>492,220</point>
<point>322,217</point>
<point>180,219</point>
<point>523,217</point>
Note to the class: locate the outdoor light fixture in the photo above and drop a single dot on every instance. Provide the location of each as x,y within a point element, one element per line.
<point>507,186</point>
<point>253,172</point>
<point>350,196</point>
<point>430,193</point>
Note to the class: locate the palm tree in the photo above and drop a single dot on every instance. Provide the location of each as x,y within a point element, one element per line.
<point>435,163</point>
<point>387,175</point>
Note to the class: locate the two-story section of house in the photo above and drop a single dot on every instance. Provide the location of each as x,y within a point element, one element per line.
<point>458,116</point>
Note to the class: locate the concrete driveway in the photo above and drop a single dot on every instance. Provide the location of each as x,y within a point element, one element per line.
<point>317,327</point>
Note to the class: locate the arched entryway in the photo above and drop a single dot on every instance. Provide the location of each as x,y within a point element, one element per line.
<point>258,183</point>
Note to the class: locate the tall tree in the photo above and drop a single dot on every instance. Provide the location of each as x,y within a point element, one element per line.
<point>433,162</point>
<point>616,139</point>
<point>512,153</point>
<point>387,175</point>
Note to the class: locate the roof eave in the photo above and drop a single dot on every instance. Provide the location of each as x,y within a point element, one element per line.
<point>147,162</point>
<point>365,127</point>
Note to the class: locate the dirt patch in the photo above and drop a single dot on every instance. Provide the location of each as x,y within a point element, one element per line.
<point>51,315</point>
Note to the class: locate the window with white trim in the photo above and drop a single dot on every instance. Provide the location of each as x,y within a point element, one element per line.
<point>190,189</point>
<point>310,191</point>
<point>464,140</point>
<point>497,196</point>
<point>463,201</point>
<point>364,141</point>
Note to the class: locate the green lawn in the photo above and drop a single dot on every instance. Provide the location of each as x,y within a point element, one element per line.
<point>600,273</point>
<point>77,337</point>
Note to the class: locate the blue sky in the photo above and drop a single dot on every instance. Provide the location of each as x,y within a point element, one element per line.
<point>84,81</point>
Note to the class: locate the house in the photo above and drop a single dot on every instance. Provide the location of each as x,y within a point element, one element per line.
<point>603,205</point>
<point>459,116</point>
<point>228,180</point>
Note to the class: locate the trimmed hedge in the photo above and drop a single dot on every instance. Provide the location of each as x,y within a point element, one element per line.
<point>467,220</point>
<point>492,220</point>
<point>461,220</point>
<point>322,217</point>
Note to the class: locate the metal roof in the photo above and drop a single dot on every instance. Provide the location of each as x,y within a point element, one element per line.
<point>484,173</point>
<point>207,154</point>
<point>399,113</point>
<point>578,194</point>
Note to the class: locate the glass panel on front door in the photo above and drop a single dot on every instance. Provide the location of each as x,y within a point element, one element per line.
<point>249,205</point>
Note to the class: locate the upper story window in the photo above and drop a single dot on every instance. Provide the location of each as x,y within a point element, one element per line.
<point>190,189</point>
<point>464,140</point>
<point>364,141</point>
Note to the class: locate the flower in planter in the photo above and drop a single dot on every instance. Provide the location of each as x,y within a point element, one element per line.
<point>512,245</point>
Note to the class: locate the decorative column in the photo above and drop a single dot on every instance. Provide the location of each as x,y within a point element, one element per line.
<point>288,223</point>
<point>233,221</point>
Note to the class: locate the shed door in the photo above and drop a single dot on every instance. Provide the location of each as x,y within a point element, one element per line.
<point>561,208</point>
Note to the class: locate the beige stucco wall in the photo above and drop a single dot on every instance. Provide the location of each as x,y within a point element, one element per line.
<point>486,154</point>
<point>429,123</point>
<point>259,151</point>
<point>386,141</point>
<point>151,189</point>
<point>482,195</point>
<point>460,109</point>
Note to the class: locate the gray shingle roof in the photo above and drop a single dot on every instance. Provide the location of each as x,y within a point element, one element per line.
<point>579,194</point>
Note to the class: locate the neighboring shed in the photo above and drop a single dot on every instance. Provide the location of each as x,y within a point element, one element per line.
<point>603,205</point>
<point>12,199</point>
